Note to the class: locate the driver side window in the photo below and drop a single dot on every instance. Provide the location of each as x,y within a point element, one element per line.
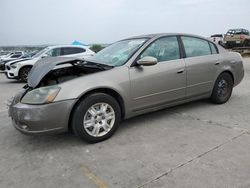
<point>163,49</point>
<point>54,52</point>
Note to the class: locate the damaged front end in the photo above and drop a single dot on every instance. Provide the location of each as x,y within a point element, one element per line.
<point>56,70</point>
<point>33,110</point>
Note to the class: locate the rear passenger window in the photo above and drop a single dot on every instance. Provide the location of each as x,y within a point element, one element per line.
<point>163,49</point>
<point>72,50</point>
<point>213,48</point>
<point>195,47</point>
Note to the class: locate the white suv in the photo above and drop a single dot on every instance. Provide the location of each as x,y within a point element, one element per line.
<point>20,69</point>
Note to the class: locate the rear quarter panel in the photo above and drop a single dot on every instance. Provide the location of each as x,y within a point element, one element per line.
<point>233,63</point>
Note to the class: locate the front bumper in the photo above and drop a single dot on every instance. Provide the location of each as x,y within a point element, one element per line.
<point>41,119</point>
<point>11,74</point>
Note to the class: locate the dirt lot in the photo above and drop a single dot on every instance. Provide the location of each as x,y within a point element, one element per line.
<point>193,145</point>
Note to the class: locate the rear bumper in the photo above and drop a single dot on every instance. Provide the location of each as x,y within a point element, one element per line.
<point>234,43</point>
<point>41,119</point>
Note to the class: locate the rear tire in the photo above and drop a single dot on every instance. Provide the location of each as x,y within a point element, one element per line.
<point>246,43</point>
<point>223,88</point>
<point>96,117</point>
<point>23,73</point>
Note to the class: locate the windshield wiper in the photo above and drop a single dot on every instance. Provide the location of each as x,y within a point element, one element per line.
<point>89,63</point>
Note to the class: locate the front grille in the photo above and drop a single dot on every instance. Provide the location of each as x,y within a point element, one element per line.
<point>1,66</point>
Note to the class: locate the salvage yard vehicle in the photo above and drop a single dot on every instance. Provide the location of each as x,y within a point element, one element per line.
<point>23,57</point>
<point>20,69</point>
<point>10,54</point>
<point>237,38</point>
<point>130,77</point>
<point>217,38</point>
<point>11,57</point>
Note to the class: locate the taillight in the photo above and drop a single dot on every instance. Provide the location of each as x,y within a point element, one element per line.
<point>242,37</point>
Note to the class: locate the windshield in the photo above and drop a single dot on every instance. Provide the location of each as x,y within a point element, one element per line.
<point>38,54</point>
<point>118,53</point>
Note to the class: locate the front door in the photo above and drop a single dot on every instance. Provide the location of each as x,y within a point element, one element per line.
<point>165,82</point>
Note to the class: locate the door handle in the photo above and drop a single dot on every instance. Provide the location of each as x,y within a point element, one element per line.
<point>217,63</point>
<point>180,71</point>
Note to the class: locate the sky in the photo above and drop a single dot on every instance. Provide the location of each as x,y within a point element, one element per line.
<point>35,22</point>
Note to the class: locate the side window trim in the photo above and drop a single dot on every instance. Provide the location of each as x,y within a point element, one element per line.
<point>181,47</point>
<point>210,43</point>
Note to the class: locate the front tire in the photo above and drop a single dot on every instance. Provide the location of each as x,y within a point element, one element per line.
<point>96,117</point>
<point>23,73</point>
<point>223,88</point>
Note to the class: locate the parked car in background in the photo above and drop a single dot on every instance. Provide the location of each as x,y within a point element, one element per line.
<point>11,54</point>
<point>217,38</point>
<point>130,77</point>
<point>20,69</point>
<point>11,61</point>
<point>11,57</point>
<point>3,53</point>
<point>237,38</point>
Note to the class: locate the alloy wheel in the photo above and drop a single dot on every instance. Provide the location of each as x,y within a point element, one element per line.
<point>99,119</point>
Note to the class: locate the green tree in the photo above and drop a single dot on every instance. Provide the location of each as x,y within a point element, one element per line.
<point>96,47</point>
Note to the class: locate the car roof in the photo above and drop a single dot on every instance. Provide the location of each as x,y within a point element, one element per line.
<point>60,46</point>
<point>156,35</point>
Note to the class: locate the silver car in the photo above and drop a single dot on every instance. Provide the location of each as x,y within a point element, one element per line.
<point>130,77</point>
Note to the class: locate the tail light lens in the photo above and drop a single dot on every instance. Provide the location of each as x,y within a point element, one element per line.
<point>242,37</point>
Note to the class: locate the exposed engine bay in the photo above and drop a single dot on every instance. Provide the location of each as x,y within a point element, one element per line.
<point>58,70</point>
<point>60,75</point>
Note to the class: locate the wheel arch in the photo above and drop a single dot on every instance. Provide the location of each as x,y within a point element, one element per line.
<point>228,72</point>
<point>108,91</point>
<point>25,66</point>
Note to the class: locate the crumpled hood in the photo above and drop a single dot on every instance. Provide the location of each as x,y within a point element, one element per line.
<point>44,66</point>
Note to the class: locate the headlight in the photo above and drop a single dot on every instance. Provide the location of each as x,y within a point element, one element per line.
<point>41,95</point>
<point>13,66</point>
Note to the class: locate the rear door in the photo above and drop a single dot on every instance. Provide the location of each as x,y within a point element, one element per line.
<point>152,86</point>
<point>201,61</point>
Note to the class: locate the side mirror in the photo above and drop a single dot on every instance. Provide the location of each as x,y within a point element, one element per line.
<point>147,61</point>
<point>44,55</point>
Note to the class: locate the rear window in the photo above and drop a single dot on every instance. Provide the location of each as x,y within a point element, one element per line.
<point>71,50</point>
<point>196,47</point>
